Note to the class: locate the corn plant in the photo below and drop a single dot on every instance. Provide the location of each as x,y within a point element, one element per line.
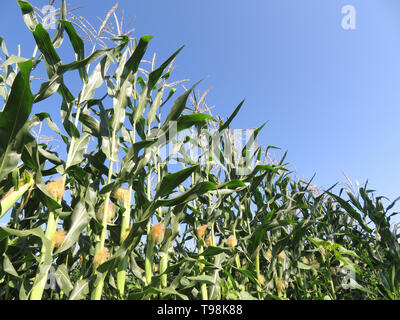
<point>121,218</point>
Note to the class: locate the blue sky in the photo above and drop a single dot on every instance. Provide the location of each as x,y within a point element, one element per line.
<point>331,96</point>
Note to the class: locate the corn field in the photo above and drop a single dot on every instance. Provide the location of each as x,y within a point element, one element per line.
<point>120,218</point>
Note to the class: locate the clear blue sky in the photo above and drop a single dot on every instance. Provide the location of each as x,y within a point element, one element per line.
<point>331,96</point>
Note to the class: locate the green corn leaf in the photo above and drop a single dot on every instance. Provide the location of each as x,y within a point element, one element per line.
<point>247,273</point>
<point>170,94</point>
<point>328,245</point>
<point>28,15</point>
<point>78,45</point>
<point>351,211</point>
<point>63,279</point>
<point>48,88</point>
<point>251,140</point>
<point>186,121</point>
<point>79,220</point>
<point>8,202</point>
<point>80,291</point>
<point>13,118</point>
<point>8,162</point>
<point>171,181</point>
<point>82,63</point>
<point>155,75</point>
<point>233,184</point>
<point>95,80</point>
<point>130,68</point>
<point>3,242</point>
<point>8,266</point>
<point>66,112</point>
<point>354,200</point>
<point>189,195</point>
<point>78,148</point>
<point>154,106</point>
<point>23,139</point>
<point>143,101</point>
<point>3,47</point>
<point>13,59</point>
<point>213,251</point>
<point>90,122</point>
<point>22,292</point>
<point>132,65</point>
<point>228,122</point>
<point>18,106</point>
<point>59,36</point>
<point>43,194</point>
<point>169,291</point>
<point>50,156</point>
<point>177,108</point>
<point>203,279</point>
<point>244,295</point>
<point>38,232</point>
<point>153,290</point>
<point>45,45</point>
<point>353,284</point>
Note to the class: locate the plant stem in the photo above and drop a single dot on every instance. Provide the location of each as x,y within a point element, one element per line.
<point>41,274</point>
<point>38,286</point>
<point>148,263</point>
<point>257,265</point>
<point>164,266</point>
<point>125,224</point>
<point>98,290</point>
<point>204,292</point>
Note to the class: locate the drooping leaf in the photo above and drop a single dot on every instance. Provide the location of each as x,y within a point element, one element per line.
<point>189,195</point>
<point>213,251</point>
<point>80,291</point>
<point>79,220</point>
<point>171,181</point>
<point>46,46</point>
